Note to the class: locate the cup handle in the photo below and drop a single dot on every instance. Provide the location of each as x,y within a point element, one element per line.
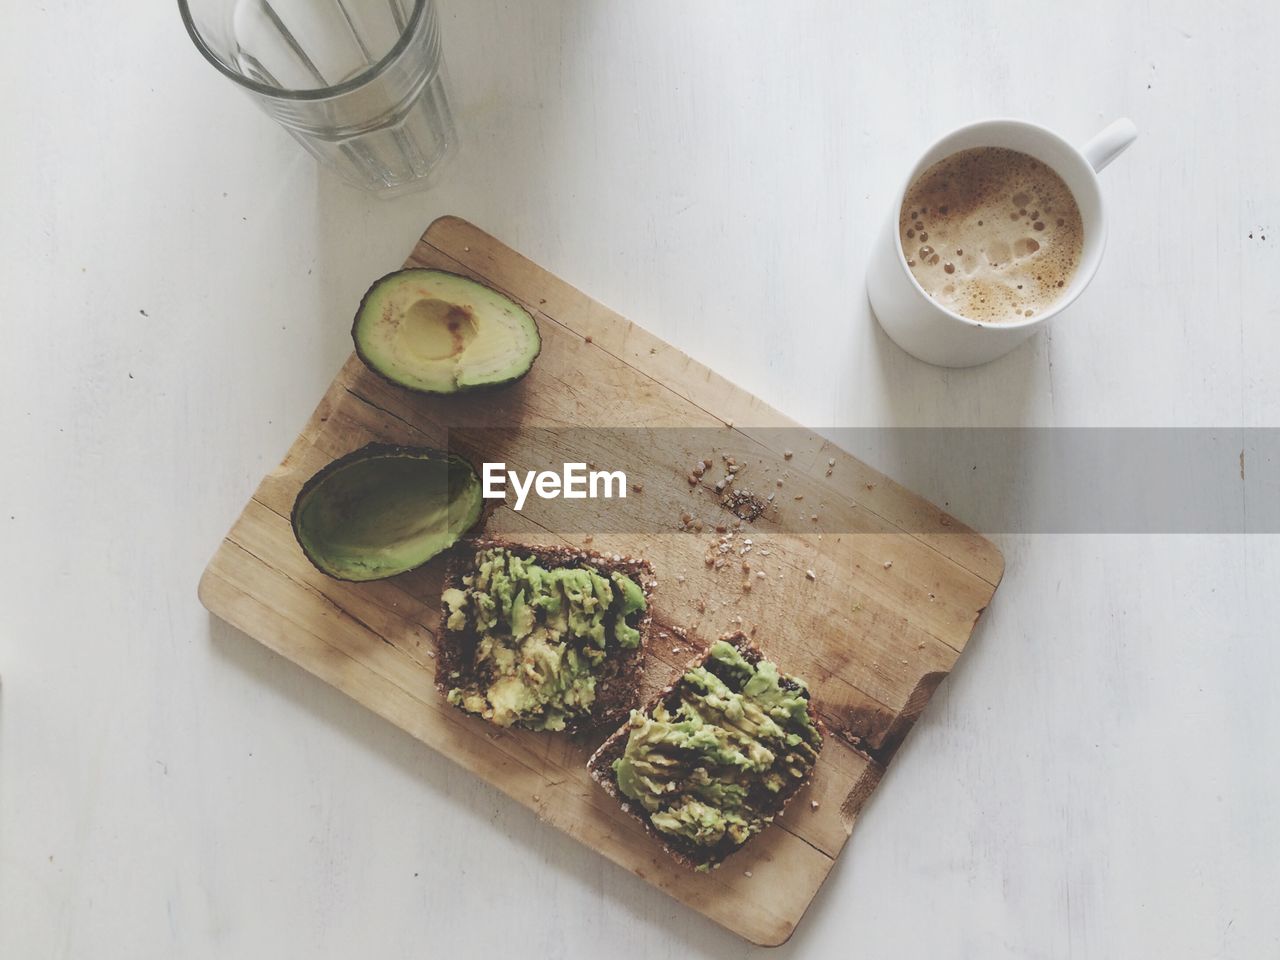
<point>1109,142</point>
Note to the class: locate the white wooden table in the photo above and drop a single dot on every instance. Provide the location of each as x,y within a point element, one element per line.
<point>1097,778</point>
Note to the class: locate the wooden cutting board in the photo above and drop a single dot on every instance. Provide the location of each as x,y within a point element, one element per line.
<point>873,612</point>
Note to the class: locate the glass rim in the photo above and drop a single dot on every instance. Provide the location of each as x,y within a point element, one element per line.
<point>374,70</point>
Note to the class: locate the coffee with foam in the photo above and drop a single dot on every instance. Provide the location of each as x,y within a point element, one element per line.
<point>991,234</point>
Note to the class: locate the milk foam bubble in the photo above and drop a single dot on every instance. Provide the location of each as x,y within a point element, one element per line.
<point>992,234</point>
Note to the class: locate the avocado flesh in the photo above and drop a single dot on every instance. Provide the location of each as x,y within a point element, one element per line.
<point>711,761</point>
<point>541,637</point>
<point>437,332</point>
<point>383,511</point>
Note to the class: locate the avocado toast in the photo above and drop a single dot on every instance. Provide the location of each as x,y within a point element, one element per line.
<point>547,638</point>
<point>716,756</point>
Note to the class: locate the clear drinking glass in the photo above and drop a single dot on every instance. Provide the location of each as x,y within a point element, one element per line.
<point>359,83</point>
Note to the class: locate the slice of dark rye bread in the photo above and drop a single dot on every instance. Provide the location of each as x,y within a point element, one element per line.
<point>617,683</point>
<point>686,852</point>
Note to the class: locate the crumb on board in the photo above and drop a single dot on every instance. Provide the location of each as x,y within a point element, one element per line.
<point>811,575</point>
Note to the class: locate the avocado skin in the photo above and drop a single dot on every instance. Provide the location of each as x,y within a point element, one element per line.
<point>367,452</point>
<point>480,388</point>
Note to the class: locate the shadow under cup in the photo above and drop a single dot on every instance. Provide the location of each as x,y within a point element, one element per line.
<point>361,84</point>
<point>936,334</point>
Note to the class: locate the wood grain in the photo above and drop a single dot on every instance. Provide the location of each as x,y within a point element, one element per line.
<point>891,602</point>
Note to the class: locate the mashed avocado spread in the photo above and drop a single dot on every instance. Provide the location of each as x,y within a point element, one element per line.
<point>541,636</point>
<point>714,761</point>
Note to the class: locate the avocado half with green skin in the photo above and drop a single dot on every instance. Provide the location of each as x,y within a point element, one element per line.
<point>385,510</point>
<point>437,332</point>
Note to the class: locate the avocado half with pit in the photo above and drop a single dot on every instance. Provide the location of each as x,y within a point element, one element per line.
<point>437,332</point>
<point>385,510</point>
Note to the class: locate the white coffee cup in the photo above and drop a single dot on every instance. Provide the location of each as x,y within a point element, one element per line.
<point>931,332</point>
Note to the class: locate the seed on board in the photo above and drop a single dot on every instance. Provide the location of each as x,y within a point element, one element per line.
<point>888,564</point>
<point>811,575</point>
